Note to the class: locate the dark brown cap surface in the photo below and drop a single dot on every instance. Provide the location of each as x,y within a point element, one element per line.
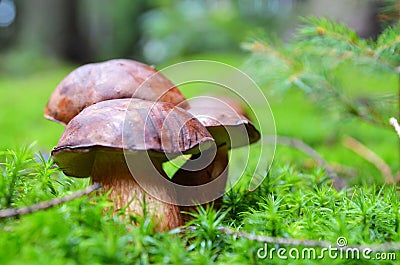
<point>225,120</point>
<point>127,125</point>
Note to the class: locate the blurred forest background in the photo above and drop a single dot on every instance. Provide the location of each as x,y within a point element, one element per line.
<point>332,91</point>
<point>41,41</point>
<point>154,31</point>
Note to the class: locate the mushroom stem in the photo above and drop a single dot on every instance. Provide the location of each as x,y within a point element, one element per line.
<point>112,172</point>
<point>218,168</point>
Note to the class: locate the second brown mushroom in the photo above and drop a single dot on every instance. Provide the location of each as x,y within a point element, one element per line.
<point>230,128</point>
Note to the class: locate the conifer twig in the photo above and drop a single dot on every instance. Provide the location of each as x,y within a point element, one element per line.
<point>11,212</point>
<point>275,240</point>
<point>338,183</point>
<point>307,242</point>
<point>371,157</point>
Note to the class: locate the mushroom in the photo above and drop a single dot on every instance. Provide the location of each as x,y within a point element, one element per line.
<point>114,79</point>
<point>122,143</point>
<point>225,120</point>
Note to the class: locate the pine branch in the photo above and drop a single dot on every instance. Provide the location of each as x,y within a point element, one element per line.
<point>324,87</point>
<point>388,45</point>
<point>263,47</point>
<point>340,43</point>
<point>12,212</point>
<point>323,33</point>
<point>370,156</point>
<point>275,240</point>
<point>389,12</point>
<point>338,183</point>
<point>320,46</point>
<point>307,243</point>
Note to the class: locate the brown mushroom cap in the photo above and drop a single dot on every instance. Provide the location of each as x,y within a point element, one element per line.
<point>225,120</point>
<point>114,79</point>
<point>158,128</point>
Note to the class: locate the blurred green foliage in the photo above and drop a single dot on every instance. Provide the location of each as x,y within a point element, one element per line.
<point>355,79</point>
<point>22,122</point>
<point>22,101</point>
<point>174,29</point>
<point>389,12</point>
<point>154,31</point>
<point>114,28</point>
<point>296,200</point>
<point>291,203</point>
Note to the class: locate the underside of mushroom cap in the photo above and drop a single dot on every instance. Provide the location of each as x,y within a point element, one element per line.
<point>226,123</point>
<point>114,79</point>
<point>128,125</point>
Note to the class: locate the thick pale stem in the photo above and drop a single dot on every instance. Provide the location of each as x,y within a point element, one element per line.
<point>218,168</point>
<point>111,171</point>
